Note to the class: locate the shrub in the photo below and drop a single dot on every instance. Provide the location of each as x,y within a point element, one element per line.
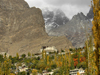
<point>53,66</point>
<point>49,70</point>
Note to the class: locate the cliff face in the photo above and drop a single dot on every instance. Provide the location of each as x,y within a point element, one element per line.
<point>22,29</point>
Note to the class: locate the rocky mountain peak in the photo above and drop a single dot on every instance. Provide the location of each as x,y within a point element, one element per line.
<point>80,16</point>
<point>90,13</point>
<point>75,30</point>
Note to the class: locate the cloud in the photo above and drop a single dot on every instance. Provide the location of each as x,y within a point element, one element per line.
<point>71,2</point>
<point>69,7</point>
<point>36,3</point>
<point>70,10</point>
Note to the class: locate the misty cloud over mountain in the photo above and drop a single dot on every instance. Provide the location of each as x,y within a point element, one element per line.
<point>54,19</point>
<point>75,29</point>
<point>69,7</point>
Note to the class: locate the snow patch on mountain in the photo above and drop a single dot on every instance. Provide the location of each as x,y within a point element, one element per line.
<point>54,18</point>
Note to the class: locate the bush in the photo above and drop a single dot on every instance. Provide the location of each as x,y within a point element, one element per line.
<point>71,49</point>
<point>41,65</point>
<point>22,73</point>
<point>53,66</point>
<point>52,57</point>
<point>62,51</point>
<point>49,70</point>
<point>38,58</point>
<point>57,72</point>
<point>23,55</point>
<point>82,65</point>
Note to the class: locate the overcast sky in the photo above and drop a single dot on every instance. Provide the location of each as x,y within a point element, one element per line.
<point>70,7</point>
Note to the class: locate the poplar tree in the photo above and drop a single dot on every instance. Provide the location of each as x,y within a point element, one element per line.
<point>72,63</point>
<point>6,66</point>
<point>90,57</point>
<point>47,59</point>
<point>29,54</point>
<point>78,58</point>
<point>17,56</point>
<point>43,54</point>
<point>96,31</point>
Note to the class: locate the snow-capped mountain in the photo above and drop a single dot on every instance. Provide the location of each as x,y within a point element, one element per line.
<point>54,18</point>
<point>75,30</point>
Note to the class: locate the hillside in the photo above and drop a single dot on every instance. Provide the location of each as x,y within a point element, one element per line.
<point>22,29</point>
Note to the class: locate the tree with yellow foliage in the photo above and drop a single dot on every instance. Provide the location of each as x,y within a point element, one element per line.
<point>59,62</point>
<point>67,63</point>
<point>78,73</point>
<point>47,59</point>
<point>34,72</point>
<point>91,60</point>
<point>96,31</point>
<point>90,57</point>
<point>17,56</point>
<point>43,54</point>
<point>1,72</point>
<point>6,66</point>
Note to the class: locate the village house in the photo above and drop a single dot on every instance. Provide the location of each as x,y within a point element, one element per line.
<point>23,69</point>
<point>75,71</point>
<point>49,49</point>
<point>47,73</point>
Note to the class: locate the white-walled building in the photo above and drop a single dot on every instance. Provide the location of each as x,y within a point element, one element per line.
<point>49,49</point>
<point>75,71</point>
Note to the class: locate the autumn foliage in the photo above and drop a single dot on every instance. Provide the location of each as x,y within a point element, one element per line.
<point>96,30</point>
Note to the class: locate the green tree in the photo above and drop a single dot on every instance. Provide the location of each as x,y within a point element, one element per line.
<point>53,66</point>
<point>10,57</point>
<point>1,58</point>
<point>1,71</point>
<point>78,58</point>
<point>29,54</point>
<point>23,55</point>
<point>87,57</point>
<point>22,73</point>
<point>17,56</point>
<point>5,56</point>
<point>43,54</point>
<point>14,60</point>
<point>72,63</point>
<point>6,66</point>
<point>41,65</point>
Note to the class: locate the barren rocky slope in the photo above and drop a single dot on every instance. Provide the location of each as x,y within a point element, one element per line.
<point>22,29</point>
